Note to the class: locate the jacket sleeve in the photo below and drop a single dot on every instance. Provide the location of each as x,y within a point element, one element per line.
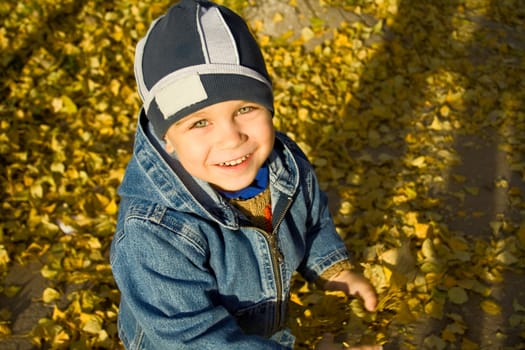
<point>326,252</point>
<point>168,290</point>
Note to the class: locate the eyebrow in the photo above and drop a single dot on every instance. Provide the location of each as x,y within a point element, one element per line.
<point>189,118</point>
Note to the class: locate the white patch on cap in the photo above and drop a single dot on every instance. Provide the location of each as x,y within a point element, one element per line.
<point>180,94</point>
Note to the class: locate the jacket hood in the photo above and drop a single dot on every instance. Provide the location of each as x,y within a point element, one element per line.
<point>153,175</point>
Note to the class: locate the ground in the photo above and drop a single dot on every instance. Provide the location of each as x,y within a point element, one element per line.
<point>479,193</point>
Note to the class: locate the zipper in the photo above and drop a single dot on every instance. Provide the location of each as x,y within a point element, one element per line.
<point>277,258</point>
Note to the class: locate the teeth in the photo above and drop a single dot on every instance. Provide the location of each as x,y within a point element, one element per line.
<point>234,162</point>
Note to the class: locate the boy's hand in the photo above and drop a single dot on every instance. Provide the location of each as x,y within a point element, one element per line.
<point>327,343</point>
<point>354,284</point>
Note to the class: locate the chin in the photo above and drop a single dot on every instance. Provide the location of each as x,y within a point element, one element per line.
<point>234,187</point>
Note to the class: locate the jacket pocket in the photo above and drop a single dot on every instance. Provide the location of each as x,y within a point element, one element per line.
<point>259,319</point>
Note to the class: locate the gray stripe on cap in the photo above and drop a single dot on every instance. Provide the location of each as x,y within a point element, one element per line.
<point>201,69</point>
<point>201,34</point>
<point>218,39</point>
<point>139,77</point>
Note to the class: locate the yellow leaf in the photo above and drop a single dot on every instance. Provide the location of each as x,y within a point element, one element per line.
<point>68,106</point>
<point>458,327</point>
<point>457,243</point>
<point>91,323</point>
<point>377,275</point>
<point>390,256</point>
<point>37,191</point>
<point>307,34</point>
<point>111,208</point>
<point>400,259</point>
<point>57,104</point>
<point>58,167</point>
<point>105,119</point>
<point>434,342</point>
<point>61,337</point>
<point>4,329</point>
<point>278,17</point>
<point>491,307</point>
<point>48,273</point>
<point>302,114</point>
<point>387,273</point>
<point>506,258</point>
<point>357,308</point>
<point>58,314</point>
<point>11,291</point>
<point>361,54</point>
<point>437,125</point>
<point>419,162</point>
<point>444,111</point>
<point>335,293</point>
<point>49,295</point>
<point>448,336</point>
<point>117,33</point>
<point>4,257</point>
<point>404,315</point>
<point>468,344</point>
<point>496,226</point>
<point>341,40</point>
<point>294,298</point>
<point>94,243</point>
<point>476,286</point>
<point>307,313</point>
<point>103,201</point>
<point>421,230</point>
<point>502,183</point>
<point>378,26</point>
<point>427,249</point>
<point>472,190</point>
<point>411,218</point>
<point>434,309</point>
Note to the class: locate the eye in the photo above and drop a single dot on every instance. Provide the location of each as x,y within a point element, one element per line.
<point>245,109</point>
<point>200,124</point>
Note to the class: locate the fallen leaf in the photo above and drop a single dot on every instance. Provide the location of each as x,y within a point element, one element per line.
<point>490,307</point>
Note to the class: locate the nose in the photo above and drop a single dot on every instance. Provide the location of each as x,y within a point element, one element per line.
<point>230,134</point>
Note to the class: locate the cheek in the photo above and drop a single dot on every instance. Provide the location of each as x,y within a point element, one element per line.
<point>190,154</point>
<point>193,161</point>
<point>262,129</point>
<point>267,134</point>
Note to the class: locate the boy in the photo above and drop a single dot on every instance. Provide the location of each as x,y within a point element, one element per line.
<point>217,210</point>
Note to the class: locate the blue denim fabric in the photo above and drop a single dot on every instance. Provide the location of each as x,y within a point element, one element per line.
<point>193,273</point>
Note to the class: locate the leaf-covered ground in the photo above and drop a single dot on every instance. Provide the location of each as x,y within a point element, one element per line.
<point>413,113</point>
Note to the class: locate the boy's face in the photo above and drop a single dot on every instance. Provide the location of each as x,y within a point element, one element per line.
<point>224,144</point>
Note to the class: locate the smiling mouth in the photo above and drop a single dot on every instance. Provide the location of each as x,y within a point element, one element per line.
<point>235,161</point>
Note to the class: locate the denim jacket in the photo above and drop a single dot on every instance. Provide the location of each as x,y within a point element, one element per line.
<point>194,273</point>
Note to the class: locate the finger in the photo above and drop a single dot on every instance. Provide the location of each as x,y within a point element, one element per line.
<point>369,297</point>
<point>370,300</point>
